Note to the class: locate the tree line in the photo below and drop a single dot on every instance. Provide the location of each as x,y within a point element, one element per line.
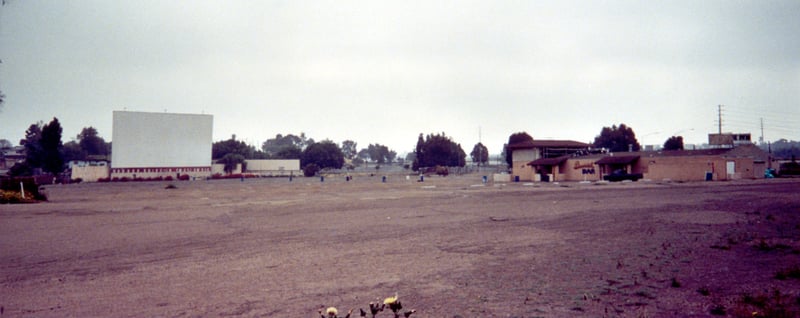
<point>45,152</point>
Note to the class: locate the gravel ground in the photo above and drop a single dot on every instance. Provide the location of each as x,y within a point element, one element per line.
<point>449,247</point>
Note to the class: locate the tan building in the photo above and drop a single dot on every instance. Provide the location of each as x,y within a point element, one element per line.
<point>743,162</point>
<point>525,152</point>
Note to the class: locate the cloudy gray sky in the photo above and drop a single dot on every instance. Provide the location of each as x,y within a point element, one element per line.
<point>383,72</point>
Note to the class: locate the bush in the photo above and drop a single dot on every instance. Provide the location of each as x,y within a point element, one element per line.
<point>13,197</point>
<point>790,169</point>
<point>184,177</point>
<point>310,170</point>
<point>29,183</point>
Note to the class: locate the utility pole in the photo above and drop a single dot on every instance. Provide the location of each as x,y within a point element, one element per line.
<point>480,149</point>
<point>761,140</point>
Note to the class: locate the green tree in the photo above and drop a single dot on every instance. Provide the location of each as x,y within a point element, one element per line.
<point>230,160</point>
<point>438,150</point>
<point>276,145</point>
<point>380,154</point>
<point>51,147</point>
<point>91,142</point>
<point>34,156</point>
<point>783,148</point>
<point>674,143</point>
<point>617,139</point>
<point>289,152</point>
<point>515,138</point>
<point>232,146</point>
<point>349,149</point>
<point>73,151</point>
<point>325,154</point>
<point>479,154</point>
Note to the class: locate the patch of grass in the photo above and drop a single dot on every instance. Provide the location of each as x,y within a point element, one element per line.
<point>759,301</point>
<point>644,294</point>
<point>766,247</point>
<point>718,310</point>
<point>791,272</point>
<point>776,304</point>
<point>675,283</point>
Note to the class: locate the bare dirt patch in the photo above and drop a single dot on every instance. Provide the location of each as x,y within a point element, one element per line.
<point>449,248</point>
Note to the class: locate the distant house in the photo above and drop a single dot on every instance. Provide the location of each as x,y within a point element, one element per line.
<point>525,152</point>
<point>9,157</point>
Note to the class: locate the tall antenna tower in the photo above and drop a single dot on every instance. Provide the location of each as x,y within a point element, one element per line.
<point>719,116</point>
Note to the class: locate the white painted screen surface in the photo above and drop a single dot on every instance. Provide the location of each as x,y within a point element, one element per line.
<point>141,139</point>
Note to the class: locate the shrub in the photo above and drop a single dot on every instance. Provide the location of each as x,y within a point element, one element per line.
<point>184,177</point>
<point>30,185</point>
<point>310,170</point>
<point>14,197</point>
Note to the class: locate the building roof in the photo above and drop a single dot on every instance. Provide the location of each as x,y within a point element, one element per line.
<point>611,160</point>
<point>548,144</point>
<point>549,161</point>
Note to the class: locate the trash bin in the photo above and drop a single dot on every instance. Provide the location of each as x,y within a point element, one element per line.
<point>485,179</point>
<point>516,178</point>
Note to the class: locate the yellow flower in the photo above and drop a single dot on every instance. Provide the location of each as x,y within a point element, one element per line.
<point>331,311</point>
<point>390,300</point>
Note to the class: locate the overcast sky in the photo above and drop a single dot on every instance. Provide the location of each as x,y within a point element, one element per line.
<point>384,72</point>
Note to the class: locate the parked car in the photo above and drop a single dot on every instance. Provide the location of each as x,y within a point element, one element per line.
<point>619,175</point>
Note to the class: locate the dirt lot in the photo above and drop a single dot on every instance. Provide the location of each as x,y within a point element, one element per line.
<point>449,247</point>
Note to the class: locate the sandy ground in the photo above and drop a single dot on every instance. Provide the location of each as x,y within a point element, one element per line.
<point>450,247</point>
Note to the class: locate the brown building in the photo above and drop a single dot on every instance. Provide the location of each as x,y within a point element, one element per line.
<point>743,162</point>
<point>525,152</point>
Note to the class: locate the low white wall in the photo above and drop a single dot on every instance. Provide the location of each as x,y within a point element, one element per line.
<point>273,167</point>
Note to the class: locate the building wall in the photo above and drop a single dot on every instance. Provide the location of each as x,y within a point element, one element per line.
<point>89,173</point>
<point>520,159</point>
<point>274,167</point>
<point>694,168</point>
<point>161,144</point>
<point>680,168</point>
<point>219,168</point>
<point>155,172</point>
<point>573,170</point>
<point>674,168</point>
